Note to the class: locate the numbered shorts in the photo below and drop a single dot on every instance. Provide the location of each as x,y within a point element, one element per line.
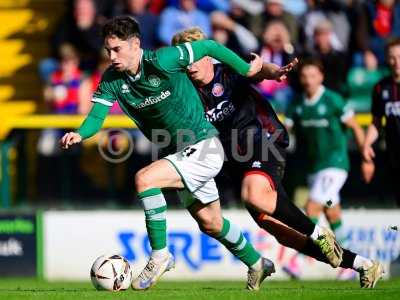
<point>325,186</point>
<point>197,165</point>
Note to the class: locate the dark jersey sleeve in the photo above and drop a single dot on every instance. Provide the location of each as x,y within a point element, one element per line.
<point>377,109</point>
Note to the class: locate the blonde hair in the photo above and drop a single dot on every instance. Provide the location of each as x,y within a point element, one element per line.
<point>188,35</point>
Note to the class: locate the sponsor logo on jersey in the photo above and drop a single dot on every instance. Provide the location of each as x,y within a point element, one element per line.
<point>153,99</point>
<point>385,95</point>
<point>256,164</point>
<point>223,110</point>
<point>217,90</point>
<point>125,88</point>
<point>392,109</point>
<point>154,80</point>
<point>315,123</point>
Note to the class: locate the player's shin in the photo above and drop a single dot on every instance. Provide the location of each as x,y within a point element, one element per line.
<point>155,208</point>
<point>234,240</point>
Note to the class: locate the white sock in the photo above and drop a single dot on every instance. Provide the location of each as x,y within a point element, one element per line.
<point>316,233</point>
<point>161,253</point>
<point>257,266</point>
<point>361,261</point>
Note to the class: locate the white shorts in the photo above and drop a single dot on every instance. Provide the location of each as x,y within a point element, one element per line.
<point>197,165</point>
<point>325,186</point>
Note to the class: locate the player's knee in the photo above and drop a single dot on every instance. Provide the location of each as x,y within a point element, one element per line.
<point>143,181</point>
<point>210,225</point>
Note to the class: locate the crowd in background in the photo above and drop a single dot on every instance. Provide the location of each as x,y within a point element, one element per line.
<point>347,36</point>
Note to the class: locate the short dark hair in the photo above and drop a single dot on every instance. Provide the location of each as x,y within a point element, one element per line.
<point>124,27</point>
<point>311,61</point>
<point>392,43</point>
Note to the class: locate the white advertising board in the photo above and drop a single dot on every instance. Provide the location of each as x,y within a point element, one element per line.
<point>73,240</point>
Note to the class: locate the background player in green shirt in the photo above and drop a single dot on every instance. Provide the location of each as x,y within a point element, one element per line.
<point>320,118</point>
<point>153,90</point>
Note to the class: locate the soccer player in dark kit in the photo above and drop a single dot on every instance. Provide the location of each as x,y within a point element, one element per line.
<point>239,113</point>
<point>386,103</point>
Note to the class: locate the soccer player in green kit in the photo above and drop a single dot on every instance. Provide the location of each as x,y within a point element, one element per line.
<point>319,119</point>
<point>153,90</point>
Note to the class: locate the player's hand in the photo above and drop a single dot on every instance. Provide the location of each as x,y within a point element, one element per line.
<point>368,153</point>
<point>69,139</point>
<point>256,65</point>
<point>281,73</point>
<point>367,170</point>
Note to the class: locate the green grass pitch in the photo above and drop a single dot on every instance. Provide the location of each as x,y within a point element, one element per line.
<point>27,289</point>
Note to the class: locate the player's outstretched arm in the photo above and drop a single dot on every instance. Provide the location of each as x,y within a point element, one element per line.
<point>224,55</point>
<point>274,72</point>
<point>90,126</point>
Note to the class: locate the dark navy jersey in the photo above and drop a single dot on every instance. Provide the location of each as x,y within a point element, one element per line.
<point>236,108</point>
<point>386,103</point>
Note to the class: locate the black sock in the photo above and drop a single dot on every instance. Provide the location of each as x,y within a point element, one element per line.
<point>348,259</point>
<point>290,214</point>
<point>313,251</point>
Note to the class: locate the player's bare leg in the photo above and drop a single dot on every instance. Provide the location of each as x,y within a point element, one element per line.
<point>259,193</point>
<point>369,271</point>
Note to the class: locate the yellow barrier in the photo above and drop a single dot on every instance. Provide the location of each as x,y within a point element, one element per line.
<point>73,121</point>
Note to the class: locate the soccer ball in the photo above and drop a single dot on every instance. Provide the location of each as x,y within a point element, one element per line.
<point>111,272</point>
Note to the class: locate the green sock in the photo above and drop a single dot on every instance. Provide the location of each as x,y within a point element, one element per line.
<point>335,225</point>
<point>233,239</point>
<point>155,208</point>
<point>314,219</point>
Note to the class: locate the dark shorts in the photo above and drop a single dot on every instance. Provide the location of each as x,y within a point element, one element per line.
<point>266,160</point>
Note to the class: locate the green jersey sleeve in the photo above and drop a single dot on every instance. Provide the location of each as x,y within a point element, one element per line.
<point>341,109</point>
<point>94,120</point>
<point>175,59</point>
<point>104,93</point>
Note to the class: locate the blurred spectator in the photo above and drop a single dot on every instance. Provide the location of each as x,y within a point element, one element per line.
<point>377,22</point>
<point>186,15</point>
<point>333,11</point>
<point>82,31</point>
<point>207,5</point>
<point>274,10</point>
<point>246,7</point>
<point>62,92</point>
<point>277,49</point>
<point>232,34</point>
<point>148,22</point>
<point>333,61</point>
<point>62,96</point>
<point>295,7</point>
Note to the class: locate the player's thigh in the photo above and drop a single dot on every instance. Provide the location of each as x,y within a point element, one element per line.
<point>159,174</point>
<point>325,186</point>
<point>258,190</point>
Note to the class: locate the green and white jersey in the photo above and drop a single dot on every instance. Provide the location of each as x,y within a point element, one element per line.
<point>160,96</point>
<point>318,123</point>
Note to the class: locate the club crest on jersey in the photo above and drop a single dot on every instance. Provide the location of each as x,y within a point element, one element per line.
<point>217,90</point>
<point>154,80</point>
<point>321,109</point>
<point>125,88</point>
